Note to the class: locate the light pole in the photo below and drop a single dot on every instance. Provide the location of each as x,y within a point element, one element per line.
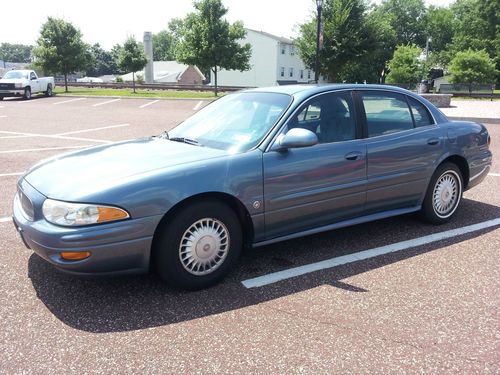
<point>319,7</point>
<point>429,39</point>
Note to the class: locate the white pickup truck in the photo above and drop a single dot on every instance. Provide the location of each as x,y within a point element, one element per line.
<point>25,83</point>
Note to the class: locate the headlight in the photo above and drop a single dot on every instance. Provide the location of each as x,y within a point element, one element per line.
<point>74,214</point>
<point>19,85</point>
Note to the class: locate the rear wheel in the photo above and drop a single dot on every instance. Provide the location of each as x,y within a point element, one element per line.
<point>27,93</point>
<point>49,90</point>
<point>1,98</point>
<point>443,194</point>
<point>198,246</point>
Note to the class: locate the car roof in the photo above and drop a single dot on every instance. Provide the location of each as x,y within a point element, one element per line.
<point>311,89</point>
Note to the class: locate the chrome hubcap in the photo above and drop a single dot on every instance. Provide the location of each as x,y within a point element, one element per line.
<point>446,194</point>
<point>204,246</point>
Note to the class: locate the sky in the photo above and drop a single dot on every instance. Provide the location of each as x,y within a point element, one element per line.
<point>109,22</point>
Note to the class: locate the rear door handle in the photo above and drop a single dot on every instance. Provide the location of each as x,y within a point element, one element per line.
<point>355,155</point>
<point>433,141</point>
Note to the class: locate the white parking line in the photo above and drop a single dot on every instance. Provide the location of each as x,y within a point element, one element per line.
<point>11,174</point>
<point>69,101</point>
<point>107,102</point>
<point>5,219</point>
<point>494,174</point>
<point>93,129</point>
<point>3,116</point>
<point>44,149</point>
<point>366,254</point>
<point>54,136</point>
<point>197,106</point>
<point>148,104</point>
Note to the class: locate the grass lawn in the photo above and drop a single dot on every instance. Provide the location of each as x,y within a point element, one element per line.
<point>84,91</point>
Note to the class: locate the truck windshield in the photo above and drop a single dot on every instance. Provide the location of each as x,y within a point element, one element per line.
<point>13,74</point>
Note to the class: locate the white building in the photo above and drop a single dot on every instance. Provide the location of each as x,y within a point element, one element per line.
<point>171,72</point>
<point>274,61</point>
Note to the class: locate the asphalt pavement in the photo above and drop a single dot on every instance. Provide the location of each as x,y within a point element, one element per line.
<point>431,308</point>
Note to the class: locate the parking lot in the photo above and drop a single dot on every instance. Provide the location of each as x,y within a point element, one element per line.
<point>431,307</point>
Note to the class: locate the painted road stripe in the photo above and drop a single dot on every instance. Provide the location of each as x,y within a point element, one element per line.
<point>11,174</point>
<point>494,174</point>
<point>3,116</point>
<point>197,106</point>
<point>69,101</point>
<point>366,254</point>
<point>107,102</point>
<point>93,129</point>
<point>148,104</point>
<point>5,219</point>
<point>54,136</point>
<point>44,149</point>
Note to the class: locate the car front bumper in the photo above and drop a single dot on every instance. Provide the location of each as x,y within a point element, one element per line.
<point>116,248</point>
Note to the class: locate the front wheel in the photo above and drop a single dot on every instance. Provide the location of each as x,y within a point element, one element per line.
<point>27,93</point>
<point>443,194</point>
<point>49,90</point>
<point>198,245</point>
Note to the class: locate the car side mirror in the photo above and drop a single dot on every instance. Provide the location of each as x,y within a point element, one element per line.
<point>33,78</point>
<point>297,137</point>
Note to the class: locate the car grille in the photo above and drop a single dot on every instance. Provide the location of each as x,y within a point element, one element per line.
<point>7,86</point>
<point>26,205</point>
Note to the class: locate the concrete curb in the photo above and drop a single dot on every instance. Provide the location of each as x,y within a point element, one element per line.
<point>483,120</point>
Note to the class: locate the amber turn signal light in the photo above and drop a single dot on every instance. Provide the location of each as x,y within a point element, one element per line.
<point>110,214</point>
<point>75,255</point>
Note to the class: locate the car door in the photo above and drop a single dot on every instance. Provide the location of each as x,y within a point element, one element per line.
<point>34,83</point>
<point>318,185</point>
<point>403,145</point>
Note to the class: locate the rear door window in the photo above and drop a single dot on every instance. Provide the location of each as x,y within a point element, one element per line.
<point>420,114</point>
<point>386,113</point>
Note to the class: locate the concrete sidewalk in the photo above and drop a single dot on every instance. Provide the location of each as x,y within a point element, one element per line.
<point>484,111</point>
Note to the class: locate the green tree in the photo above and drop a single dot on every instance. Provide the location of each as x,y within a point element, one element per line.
<point>210,42</point>
<point>166,41</point>
<point>372,65</point>
<point>477,27</point>
<point>408,18</point>
<point>405,66</point>
<point>132,58</point>
<point>439,27</point>
<point>163,46</point>
<point>346,38</point>
<point>60,49</point>
<point>103,62</point>
<point>472,67</point>
<point>17,53</point>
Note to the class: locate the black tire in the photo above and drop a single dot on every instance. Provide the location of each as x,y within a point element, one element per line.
<point>49,92</point>
<point>171,256</point>
<point>443,195</point>
<point>1,98</point>
<point>27,93</point>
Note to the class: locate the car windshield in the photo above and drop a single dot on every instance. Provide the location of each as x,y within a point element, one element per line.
<point>236,122</point>
<point>13,74</point>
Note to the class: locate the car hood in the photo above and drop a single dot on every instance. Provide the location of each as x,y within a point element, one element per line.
<point>76,174</point>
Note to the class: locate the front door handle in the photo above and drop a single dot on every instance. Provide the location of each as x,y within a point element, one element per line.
<point>432,141</point>
<point>355,155</point>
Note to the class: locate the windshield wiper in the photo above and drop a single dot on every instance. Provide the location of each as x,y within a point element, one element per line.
<point>162,135</point>
<point>186,140</point>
